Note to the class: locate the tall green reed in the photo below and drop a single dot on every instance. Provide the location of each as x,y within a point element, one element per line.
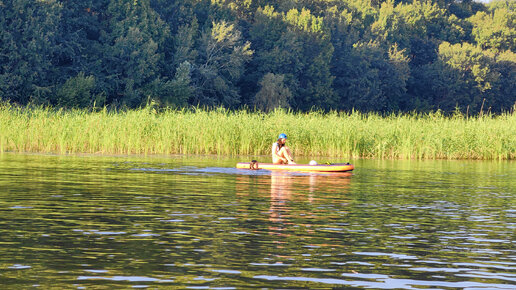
<point>225,132</point>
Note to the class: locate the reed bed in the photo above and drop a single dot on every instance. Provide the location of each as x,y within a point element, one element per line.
<point>225,132</point>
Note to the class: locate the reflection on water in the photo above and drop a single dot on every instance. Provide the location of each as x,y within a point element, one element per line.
<point>185,222</point>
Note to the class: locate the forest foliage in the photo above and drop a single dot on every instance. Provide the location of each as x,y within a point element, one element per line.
<point>367,55</point>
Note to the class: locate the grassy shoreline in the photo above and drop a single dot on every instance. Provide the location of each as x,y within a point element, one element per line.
<point>224,132</point>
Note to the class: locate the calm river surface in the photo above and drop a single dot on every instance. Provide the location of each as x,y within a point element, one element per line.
<point>90,222</point>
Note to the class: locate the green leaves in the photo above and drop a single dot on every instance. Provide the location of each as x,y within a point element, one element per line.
<point>133,46</point>
<point>181,86</point>
<point>77,92</point>
<point>471,61</point>
<point>329,55</point>
<point>273,93</point>
<point>495,30</point>
<point>222,56</point>
<point>28,45</point>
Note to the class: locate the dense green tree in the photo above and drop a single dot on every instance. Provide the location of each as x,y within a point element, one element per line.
<point>464,76</point>
<point>390,26</point>
<point>28,49</point>
<point>273,93</point>
<point>503,94</point>
<point>77,92</point>
<point>177,13</point>
<point>180,89</point>
<point>297,46</point>
<point>81,26</point>
<point>346,27</point>
<point>463,8</point>
<point>376,80</point>
<point>421,21</point>
<point>495,29</point>
<point>131,45</point>
<point>438,86</point>
<point>266,30</point>
<point>472,62</point>
<point>220,65</point>
<point>184,44</point>
<point>311,68</point>
<point>381,55</point>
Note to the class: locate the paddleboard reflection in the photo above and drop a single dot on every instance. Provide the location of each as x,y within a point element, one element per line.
<point>294,199</point>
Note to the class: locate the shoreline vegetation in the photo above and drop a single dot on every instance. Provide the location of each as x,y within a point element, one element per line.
<point>243,132</point>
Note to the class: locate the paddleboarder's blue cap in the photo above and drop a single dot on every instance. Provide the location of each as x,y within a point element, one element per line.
<point>282,135</point>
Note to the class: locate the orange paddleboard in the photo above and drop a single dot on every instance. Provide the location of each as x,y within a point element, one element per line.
<point>337,167</point>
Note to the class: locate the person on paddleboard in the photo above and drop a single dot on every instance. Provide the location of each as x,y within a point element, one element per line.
<point>281,153</point>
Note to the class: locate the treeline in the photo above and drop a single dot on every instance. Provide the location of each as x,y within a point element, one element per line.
<point>370,55</point>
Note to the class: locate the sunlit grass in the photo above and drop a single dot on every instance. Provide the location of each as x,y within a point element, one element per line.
<point>224,132</point>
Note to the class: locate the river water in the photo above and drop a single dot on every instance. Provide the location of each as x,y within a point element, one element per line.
<point>191,222</point>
